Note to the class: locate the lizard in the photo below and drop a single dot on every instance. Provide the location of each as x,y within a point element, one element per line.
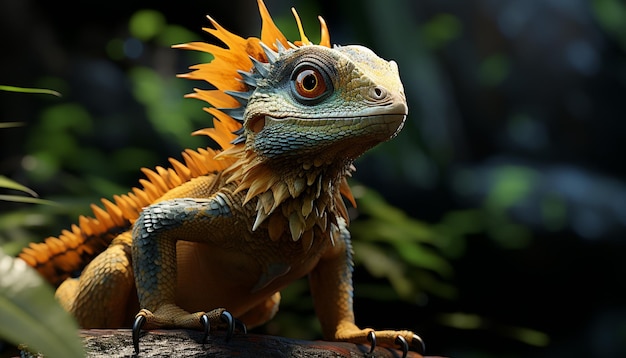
<point>219,234</point>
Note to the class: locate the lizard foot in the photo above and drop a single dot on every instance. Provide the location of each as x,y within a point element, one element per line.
<point>417,344</point>
<point>403,340</point>
<point>231,324</point>
<point>175,317</point>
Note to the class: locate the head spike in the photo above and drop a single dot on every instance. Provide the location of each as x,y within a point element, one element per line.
<point>325,35</point>
<point>260,67</point>
<point>269,32</point>
<point>235,113</point>
<point>281,48</point>
<point>303,38</point>
<point>248,78</point>
<point>238,140</point>
<point>241,97</point>
<point>269,53</point>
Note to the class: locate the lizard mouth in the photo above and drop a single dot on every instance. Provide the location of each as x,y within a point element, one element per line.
<point>350,136</point>
<point>389,113</point>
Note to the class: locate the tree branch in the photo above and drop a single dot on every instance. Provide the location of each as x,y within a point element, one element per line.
<point>186,343</point>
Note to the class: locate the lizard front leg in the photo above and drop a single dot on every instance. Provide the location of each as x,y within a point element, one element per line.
<point>155,234</point>
<point>332,291</point>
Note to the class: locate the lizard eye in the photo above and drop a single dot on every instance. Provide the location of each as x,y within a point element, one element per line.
<point>310,84</point>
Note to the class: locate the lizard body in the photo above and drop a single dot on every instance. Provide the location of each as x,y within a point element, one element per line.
<point>228,229</point>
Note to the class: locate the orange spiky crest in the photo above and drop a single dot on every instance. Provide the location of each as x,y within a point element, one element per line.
<point>223,72</point>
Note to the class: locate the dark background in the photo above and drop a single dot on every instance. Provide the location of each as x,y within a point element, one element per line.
<point>512,158</point>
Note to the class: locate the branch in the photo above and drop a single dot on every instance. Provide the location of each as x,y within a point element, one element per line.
<point>186,343</point>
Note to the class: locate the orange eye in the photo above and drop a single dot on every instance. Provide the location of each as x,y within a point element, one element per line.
<point>309,83</point>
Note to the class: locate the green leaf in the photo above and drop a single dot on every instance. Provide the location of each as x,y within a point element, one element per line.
<point>421,256</point>
<point>26,199</point>
<point>31,316</point>
<point>11,124</point>
<point>525,335</point>
<point>29,90</point>
<point>10,184</point>
<point>381,265</point>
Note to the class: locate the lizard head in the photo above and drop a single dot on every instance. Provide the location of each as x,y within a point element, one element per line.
<point>323,104</point>
<point>292,117</point>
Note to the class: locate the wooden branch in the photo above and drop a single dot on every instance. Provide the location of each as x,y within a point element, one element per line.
<point>186,343</point>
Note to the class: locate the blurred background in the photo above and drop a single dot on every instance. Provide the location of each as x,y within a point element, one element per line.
<point>493,225</point>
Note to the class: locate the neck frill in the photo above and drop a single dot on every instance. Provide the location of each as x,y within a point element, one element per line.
<point>306,199</point>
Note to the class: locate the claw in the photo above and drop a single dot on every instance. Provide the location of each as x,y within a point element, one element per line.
<point>139,322</point>
<point>418,345</point>
<point>403,345</point>
<point>371,337</point>
<point>241,326</point>
<point>227,317</point>
<point>204,319</point>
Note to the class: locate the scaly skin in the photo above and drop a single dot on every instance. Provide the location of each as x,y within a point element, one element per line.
<point>228,230</point>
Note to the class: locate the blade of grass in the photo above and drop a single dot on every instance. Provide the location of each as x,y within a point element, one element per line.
<point>11,124</point>
<point>29,90</point>
<point>10,184</point>
<point>27,199</point>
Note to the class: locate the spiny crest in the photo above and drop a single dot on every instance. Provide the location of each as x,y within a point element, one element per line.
<point>57,257</point>
<point>235,69</point>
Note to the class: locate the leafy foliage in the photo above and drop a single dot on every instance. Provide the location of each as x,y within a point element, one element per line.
<point>30,315</point>
<point>390,244</point>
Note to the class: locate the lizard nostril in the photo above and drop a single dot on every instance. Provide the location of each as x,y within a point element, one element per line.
<point>378,93</point>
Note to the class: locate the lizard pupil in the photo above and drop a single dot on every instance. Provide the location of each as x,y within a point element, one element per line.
<point>309,83</point>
